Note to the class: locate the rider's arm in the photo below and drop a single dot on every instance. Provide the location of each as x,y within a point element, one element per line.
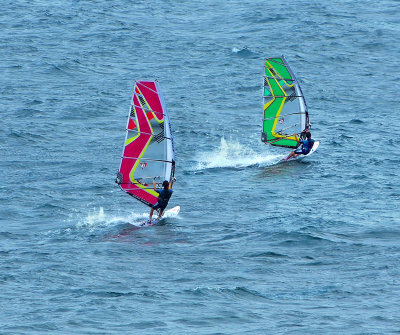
<point>154,186</point>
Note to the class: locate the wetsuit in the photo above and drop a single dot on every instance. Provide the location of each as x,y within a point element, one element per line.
<point>163,199</point>
<point>306,147</point>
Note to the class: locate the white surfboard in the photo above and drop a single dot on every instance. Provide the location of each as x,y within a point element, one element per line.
<point>170,213</point>
<point>301,157</point>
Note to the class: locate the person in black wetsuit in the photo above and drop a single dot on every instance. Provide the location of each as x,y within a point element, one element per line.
<point>306,146</point>
<point>163,198</point>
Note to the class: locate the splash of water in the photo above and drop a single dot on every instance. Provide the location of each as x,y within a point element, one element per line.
<point>232,154</point>
<point>97,218</point>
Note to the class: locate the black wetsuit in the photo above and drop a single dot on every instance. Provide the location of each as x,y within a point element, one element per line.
<point>306,146</point>
<point>163,198</point>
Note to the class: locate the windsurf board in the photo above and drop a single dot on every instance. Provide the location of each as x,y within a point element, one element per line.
<point>170,213</point>
<point>301,157</point>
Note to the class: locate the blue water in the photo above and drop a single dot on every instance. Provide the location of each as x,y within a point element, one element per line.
<point>307,247</point>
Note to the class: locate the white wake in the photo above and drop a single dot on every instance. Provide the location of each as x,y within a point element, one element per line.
<point>232,154</point>
<point>97,218</point>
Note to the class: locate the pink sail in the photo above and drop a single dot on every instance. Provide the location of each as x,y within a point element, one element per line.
<point>148,152</point>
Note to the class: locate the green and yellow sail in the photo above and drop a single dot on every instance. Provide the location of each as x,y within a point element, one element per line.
<point>285,114</point>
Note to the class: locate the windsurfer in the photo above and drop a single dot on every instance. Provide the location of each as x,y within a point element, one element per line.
<point>306,146</point>
<point>163,198</point>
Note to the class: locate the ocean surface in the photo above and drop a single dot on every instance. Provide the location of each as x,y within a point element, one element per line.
<point>310,247</point>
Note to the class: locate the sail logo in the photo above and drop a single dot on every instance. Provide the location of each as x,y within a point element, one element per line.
<point>143,165</point>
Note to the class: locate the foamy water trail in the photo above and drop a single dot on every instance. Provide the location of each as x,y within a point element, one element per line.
<point>232,154</point>
<point>97,218</point>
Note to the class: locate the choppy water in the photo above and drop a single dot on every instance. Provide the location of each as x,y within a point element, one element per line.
<point>300,248</point>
